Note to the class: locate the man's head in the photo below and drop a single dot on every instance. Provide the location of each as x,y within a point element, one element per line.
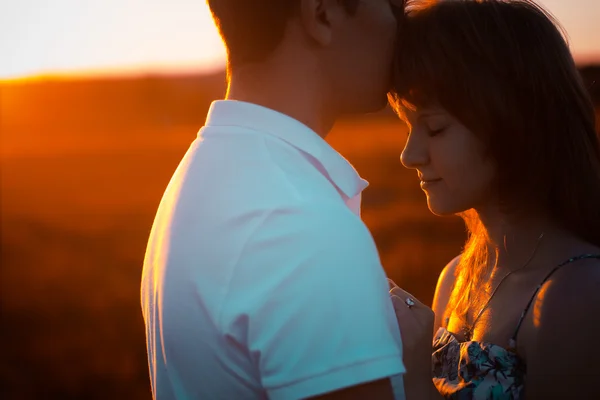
<point>346,44</point>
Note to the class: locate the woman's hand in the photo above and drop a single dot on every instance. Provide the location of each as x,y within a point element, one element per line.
<point>416,328</point>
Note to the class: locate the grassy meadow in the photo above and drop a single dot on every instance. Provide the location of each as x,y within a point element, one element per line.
<point>74,230</point>
<point>83,168</point>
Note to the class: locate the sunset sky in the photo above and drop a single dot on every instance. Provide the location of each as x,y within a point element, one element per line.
<point>144,36</point>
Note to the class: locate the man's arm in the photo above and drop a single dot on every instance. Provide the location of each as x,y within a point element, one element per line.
<point>379,389</point>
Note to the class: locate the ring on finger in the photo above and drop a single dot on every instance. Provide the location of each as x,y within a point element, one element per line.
<point>409,302</point>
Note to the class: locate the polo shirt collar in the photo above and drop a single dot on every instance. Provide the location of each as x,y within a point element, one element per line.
<point>258,118</point>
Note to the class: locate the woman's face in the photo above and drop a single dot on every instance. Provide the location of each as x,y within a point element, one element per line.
<point>450,160</point>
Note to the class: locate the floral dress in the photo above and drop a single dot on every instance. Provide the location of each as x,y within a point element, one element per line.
<point>480,370</point>
<point>475,370</point>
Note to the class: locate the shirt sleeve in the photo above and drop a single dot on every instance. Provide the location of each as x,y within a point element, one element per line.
<point>319,315</point>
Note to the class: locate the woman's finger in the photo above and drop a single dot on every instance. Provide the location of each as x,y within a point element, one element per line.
<point>397,291</point>
<point>400,306</point>
<point>422,316</point>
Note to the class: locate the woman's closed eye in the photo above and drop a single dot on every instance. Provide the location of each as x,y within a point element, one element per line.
<point>435,130</point>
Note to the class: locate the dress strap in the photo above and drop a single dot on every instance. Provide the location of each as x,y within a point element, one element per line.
<point>512,344</point>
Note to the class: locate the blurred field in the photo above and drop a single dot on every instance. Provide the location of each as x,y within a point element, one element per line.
<point>74,230</point>
<point>83,168</point>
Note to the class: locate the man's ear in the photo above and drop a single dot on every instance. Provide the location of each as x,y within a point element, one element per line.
<point>319,17</point>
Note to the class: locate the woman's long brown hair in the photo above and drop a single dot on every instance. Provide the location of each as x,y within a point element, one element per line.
<point>504,69</point>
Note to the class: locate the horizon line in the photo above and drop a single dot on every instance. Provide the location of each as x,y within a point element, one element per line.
<point>115,73</point>
<point>133,73</point>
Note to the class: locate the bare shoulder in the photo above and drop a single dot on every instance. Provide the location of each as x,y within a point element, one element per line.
<point>443,290</point>
<point>567,305</point>
<point>565,321</point>
<point>449,270</point>
<point>574,287</point>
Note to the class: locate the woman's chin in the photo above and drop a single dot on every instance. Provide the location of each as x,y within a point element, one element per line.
<point>442,210</point>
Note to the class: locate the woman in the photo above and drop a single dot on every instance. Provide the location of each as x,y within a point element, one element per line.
<point>502,134</point>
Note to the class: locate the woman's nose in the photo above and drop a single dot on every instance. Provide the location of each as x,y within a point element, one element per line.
<point>415,153</point>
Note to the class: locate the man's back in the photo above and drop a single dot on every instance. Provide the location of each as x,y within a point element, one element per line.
<point>260,280</point>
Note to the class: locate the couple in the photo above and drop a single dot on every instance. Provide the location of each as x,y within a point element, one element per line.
<point>260,279</point>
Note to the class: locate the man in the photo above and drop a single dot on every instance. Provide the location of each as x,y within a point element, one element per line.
<point>260,279</point>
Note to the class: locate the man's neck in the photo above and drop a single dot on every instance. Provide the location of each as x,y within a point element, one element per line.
<point>301,99</point>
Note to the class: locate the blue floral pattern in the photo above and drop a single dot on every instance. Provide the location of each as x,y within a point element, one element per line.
<point>474,370</point>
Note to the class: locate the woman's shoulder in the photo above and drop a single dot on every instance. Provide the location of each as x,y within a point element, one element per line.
<point>443,290</point>
<point>569,296</point>
<point>565,321</point>
<point>448,274</point>
<point>576,272</point>
<point>578,277</point>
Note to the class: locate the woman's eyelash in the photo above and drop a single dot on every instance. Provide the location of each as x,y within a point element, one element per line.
<point>433,132</point>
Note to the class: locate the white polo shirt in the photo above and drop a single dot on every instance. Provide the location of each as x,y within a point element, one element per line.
<point>260,279</point>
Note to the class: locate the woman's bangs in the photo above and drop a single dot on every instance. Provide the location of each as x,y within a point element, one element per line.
<point>416,78</point>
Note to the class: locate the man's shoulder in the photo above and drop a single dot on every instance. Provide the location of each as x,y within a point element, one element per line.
<point>252,166</point>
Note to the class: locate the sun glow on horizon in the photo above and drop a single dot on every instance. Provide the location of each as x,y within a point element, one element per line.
<point>73,38</point>
<point>108,37</point>
<point>132,71</point>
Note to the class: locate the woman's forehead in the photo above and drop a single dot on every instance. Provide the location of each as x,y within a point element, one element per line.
<point>432,108</point>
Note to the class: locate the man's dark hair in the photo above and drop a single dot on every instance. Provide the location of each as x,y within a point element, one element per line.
<point>252,29</point>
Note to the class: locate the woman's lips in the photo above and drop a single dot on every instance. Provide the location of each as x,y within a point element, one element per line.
<point>427,183</point>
